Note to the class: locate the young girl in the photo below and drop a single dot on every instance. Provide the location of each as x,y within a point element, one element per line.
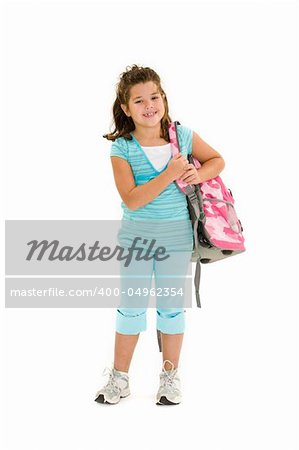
<point>145,173</point>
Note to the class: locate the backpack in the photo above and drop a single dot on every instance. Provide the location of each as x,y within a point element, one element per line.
<point>217,231</point>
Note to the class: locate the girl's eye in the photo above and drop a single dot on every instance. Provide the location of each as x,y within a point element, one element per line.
<point>138,101</point>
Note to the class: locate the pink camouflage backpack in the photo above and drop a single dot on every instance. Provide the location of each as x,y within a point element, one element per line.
<point>217,231</point>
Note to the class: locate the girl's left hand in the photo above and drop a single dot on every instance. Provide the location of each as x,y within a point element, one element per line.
<point>191,175</point>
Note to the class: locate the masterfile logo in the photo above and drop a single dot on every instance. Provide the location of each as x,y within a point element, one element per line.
<point>67,253</point>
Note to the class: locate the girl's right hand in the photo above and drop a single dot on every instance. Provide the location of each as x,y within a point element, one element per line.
<point>177,166</point>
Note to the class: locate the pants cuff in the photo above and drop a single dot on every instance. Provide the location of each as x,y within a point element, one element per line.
<point>171,323</point>
<point>126,324</point>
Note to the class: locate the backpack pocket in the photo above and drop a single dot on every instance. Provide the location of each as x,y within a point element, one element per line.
<point>222,211</point>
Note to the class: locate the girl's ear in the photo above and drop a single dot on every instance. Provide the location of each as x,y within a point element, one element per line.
<point>125,109</point>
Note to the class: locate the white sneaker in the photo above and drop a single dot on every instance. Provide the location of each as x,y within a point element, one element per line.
<point>169,392</point>
<point>116,388</point>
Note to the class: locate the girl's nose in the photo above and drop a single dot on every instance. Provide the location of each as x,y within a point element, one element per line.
<point>148,105</point>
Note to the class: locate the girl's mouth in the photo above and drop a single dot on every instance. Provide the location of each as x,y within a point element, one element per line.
<point>149,115</point>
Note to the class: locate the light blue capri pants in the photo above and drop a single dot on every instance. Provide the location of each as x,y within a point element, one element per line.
<point>169,274</point>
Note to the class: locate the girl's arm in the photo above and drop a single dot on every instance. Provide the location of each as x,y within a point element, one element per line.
<point>137,196</point>
<point>211,161</point>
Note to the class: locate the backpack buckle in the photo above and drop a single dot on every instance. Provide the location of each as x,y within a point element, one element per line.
<point>189,189</point>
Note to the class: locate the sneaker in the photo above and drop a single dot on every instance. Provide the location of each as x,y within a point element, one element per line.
<point>169,392</point>
<point>116,388</point>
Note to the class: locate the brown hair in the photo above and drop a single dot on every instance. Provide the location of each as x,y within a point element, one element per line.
<point>124,124</point>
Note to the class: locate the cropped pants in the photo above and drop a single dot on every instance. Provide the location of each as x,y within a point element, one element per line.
<point>169,278</point>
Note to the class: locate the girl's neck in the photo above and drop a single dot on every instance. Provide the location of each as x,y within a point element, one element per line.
<point>148,134</point>
<point>149,137</point>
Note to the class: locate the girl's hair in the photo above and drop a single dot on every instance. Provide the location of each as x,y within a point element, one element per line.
<point>124,124</point>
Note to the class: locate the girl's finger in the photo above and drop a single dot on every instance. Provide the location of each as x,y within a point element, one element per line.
<point>189,179</point>
<point>188,173</point>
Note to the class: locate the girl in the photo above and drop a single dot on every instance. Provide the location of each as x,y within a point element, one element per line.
<point>144,172</point>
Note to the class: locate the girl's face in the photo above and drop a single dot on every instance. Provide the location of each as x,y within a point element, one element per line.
<point>146,105</point>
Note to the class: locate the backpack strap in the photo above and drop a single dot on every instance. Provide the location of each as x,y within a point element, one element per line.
<point>175,148</point>
<point>197,282</point>
<point>190,191</point>
<point>159,340</point>
<point>187,189</point>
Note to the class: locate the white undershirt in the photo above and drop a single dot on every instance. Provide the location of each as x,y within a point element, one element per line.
<point>158,155</point>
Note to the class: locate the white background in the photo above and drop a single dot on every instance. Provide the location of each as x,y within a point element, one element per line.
<point>230,71</point>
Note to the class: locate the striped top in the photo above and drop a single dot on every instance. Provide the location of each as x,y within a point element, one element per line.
<point>171,203</point>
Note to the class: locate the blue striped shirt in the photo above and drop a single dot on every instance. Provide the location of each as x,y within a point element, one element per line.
<point>171,203</point>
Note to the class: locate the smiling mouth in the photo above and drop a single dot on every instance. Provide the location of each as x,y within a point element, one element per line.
<point>150,114</point>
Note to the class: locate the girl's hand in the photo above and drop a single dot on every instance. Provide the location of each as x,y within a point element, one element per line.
<point>190,176</point>
<point>177,166</point>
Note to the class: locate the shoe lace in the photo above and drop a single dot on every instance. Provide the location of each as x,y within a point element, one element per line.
<point>168,376</point>
<point>111,385</point>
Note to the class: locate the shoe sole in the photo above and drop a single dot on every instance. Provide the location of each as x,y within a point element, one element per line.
<point>101,399</point>
<point>164,401</point>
